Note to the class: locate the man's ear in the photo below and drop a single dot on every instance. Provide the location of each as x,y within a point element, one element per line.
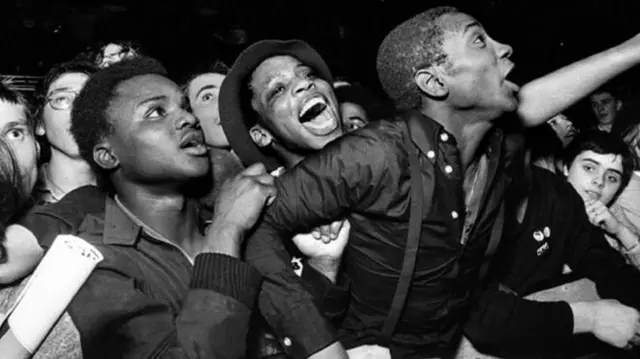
<point>618,105</point>
<point>565,170</point>
<point>260,136</point>
<point>431,82</point>
<point>104,156</point>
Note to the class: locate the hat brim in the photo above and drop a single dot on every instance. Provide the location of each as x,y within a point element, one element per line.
<point>232,117</point>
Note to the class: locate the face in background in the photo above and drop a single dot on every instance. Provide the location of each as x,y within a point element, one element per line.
<point>297,109</point>
<point>596,176</point>
<point>156,140</point>
<point>632,138</point>
<point>564,128</point>
<point>203,93</point>
<point>18,135</point>
<point>353,116</point>
<point>605,107</point>
<point>113,53</point>
<point>476,67</point>
<point>56,114</point>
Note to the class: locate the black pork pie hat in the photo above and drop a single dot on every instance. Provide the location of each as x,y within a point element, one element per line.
<point>236,114</point>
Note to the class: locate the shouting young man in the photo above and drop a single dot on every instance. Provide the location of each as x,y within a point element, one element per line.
<point>411,285</point>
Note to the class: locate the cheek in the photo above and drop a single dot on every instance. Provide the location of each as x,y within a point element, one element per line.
<point>575,178</point>
<point>58,121</point>
<point>28,161</point>
<point>611,189</point>
<point>282,119</point>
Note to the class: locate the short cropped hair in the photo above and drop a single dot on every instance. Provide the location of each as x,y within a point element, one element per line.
<point>12,96</point>
<point>89,120</point>
<point>411,46</point>
<point>208,67</point>
<point>611,88</point>
<point>602,143</point>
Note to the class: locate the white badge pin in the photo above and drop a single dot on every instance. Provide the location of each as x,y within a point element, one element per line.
<point>543,248</point>
<point>547,232</point>
<point>297,265</point>
<point>538,236</point>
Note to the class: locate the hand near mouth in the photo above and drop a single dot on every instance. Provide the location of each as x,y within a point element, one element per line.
<point>600,216</point>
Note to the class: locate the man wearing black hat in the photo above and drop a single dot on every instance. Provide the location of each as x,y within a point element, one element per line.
<point>411,283</point>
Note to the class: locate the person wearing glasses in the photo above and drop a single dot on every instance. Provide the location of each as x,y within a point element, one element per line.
<point>64,170</point>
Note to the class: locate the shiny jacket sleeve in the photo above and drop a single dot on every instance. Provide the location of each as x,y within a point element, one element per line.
<point>331,298</point>
<point>116,318</point>
<point>343,178</point>
<point>503,323</point>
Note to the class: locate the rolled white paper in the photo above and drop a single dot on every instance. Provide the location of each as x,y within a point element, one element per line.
<point>11,348</point>
<point>54,283</point>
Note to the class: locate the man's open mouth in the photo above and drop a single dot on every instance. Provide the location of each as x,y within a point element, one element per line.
<point>316,116</point>
<point>193,143</point>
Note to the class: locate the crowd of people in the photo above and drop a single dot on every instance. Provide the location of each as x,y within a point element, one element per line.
<point>266,209</point>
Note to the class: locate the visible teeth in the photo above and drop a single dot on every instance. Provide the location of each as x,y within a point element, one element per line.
<point>309,104</point>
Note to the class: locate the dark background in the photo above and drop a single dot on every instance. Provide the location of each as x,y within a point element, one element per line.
<point>545,34</point>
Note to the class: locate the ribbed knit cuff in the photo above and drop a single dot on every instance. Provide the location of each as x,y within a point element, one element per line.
<point>226,275</point>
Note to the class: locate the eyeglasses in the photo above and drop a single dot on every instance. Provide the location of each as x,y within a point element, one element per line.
<point>62,100</point>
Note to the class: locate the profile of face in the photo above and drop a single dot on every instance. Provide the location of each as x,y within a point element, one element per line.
<point>18,135</point>
<point>203,93</point>
<point>564,128</point>
<point>353,116</point>
<point>155,138</point>
<point>596,176</point>
<point>474,73</point>
<point>605,107</point>
<point>632,138</point>
<point>56,114</point>
<point>113,53</point>
<point>297,109</point>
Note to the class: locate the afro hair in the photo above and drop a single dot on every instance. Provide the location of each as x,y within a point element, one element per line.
<point>411,46</point>
<point>89,120</point>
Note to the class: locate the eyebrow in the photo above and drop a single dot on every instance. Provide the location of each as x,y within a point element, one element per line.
<point>600,164</point>
<point>12,124</point>
<point>470,26</point>
<point>270,79</point>
<point>61,89</point>
<point>151,99</point>
<point>207,87</point>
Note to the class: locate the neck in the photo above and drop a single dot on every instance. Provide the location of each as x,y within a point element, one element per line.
<point>468,128</point>
<point>169,213</point>
<point>68,173</point>
<point>289,158</point>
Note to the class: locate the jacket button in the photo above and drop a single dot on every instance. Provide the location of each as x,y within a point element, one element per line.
<point>431,154</point>
<point>286,342</point>
<point>448,169</point>
<point>444,137</point>
<point>454,215</point>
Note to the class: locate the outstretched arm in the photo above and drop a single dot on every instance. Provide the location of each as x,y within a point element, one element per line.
<point>551,94</point>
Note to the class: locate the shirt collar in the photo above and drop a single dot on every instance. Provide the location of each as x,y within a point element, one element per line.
<point>426,133</point>
<point>124,228</point>
<point>119,228</point>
